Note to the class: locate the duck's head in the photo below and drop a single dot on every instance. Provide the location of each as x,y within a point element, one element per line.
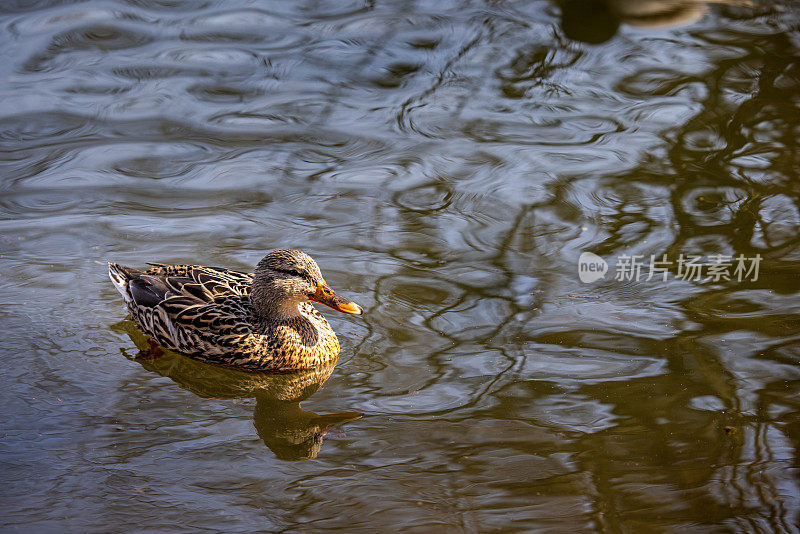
<point>286,278</point>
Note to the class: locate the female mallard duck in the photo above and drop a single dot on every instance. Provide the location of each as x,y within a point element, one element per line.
<point>261,321</point>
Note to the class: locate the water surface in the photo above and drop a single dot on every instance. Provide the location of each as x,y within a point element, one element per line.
<point>446,163</point>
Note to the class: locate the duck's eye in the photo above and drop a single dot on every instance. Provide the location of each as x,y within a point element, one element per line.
<point>298,274</point>
<point>304,276</point>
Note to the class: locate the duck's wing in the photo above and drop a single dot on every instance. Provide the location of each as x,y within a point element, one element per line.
<point>210,329</point>
<point>188,308</point>
<point>148,288</point>
<point>213,279</point>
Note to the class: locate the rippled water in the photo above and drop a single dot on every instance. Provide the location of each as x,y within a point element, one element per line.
<point>446,163</point>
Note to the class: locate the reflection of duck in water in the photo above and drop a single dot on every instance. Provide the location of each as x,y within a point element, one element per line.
<point>262,321</point>
<point>289,431</point>
<point>596,21</point>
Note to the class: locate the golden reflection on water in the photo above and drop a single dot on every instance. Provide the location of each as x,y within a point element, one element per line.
<point>289,431</point>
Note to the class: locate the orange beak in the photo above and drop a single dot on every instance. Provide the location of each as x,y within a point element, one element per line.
<point>325,295</point>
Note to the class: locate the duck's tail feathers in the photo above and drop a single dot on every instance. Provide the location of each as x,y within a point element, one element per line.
<point>121,277</point>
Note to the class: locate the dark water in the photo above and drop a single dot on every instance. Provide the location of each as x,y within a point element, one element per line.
<point>446,163</point>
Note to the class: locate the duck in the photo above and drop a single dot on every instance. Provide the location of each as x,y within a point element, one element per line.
<point>260,321</point>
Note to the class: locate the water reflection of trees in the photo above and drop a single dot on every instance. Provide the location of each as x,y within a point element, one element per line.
<point>691,441</point>
<point>726,167</point>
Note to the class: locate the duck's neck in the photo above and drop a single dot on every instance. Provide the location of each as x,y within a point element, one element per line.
<point>270,307</point>
<point>279,312</point>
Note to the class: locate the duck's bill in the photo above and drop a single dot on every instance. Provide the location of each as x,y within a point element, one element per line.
<point>325,295</point>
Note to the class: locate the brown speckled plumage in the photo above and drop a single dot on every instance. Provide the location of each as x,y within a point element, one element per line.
<point>262,321</point>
